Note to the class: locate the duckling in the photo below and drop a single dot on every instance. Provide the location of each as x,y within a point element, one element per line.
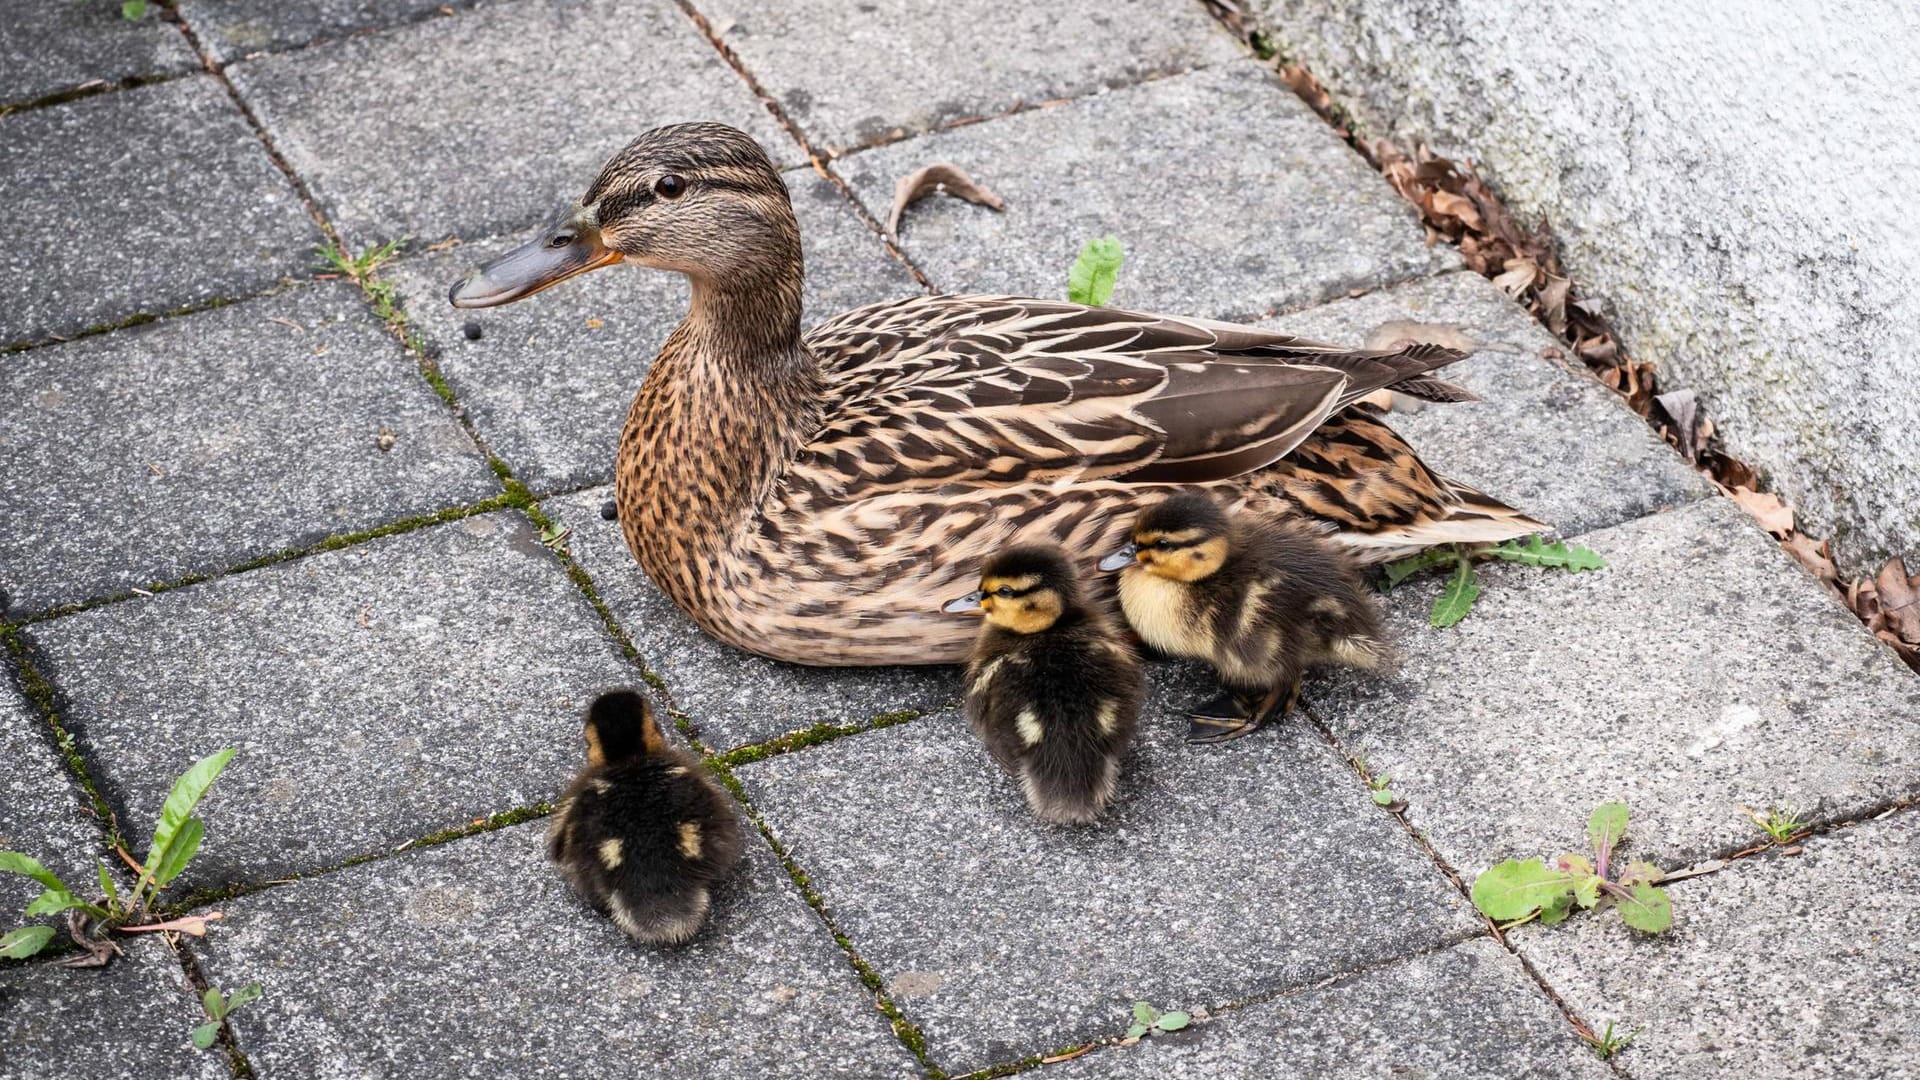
<point>1259,597</point>
<point>1053,690</point>
<point>642,834</point>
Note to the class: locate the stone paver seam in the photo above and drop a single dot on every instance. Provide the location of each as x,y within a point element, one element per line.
<point>1353,761</point>
<point>197,986</point>
<point>793,130</point>
<point>41,696</point>
<point>91,89</point>
<point>1217,1012</point>
<point>447,9</point>
<point>503,501</point>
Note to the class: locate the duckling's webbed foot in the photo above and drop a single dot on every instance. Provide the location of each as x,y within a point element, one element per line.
<point>1221,718</point>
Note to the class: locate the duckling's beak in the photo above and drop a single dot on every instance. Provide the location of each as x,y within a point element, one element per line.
<point>965,604</point>
<point>562,251</point>
<point>1121,559</point>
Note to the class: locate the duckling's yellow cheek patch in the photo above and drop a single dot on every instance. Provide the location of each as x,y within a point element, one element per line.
<point>611,853</point>
<point>1108,717</point>
<point>690,839</point>
<point>677,770</point>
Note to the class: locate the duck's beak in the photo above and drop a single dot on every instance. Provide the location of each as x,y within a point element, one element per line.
<point>1121,559</point>
<point>562,251</point>
<point>964,604</point>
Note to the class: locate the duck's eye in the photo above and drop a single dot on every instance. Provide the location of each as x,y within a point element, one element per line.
<point>670,186</point>
<point>559,239</point>
<point>1004,590</point>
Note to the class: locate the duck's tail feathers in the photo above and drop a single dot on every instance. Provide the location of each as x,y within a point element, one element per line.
<point>1428,388</point>
<point>1473,518</point>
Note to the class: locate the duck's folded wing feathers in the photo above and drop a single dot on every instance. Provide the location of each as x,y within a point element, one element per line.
<point>941,389</point>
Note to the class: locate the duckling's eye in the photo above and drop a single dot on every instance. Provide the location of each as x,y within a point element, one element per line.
<point>1004,590</point>
<point>670,186</point>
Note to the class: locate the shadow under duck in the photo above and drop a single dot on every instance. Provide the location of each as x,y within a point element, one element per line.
<point>813,497</point>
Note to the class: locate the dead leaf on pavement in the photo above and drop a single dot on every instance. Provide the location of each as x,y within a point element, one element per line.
<point>193,925</point>
<point>1816,556</point>
<point>1518,276</point>
<point>1684,420</point>
<point>941,176</point>
<point>1773,515</point>
<point>1899,599</point>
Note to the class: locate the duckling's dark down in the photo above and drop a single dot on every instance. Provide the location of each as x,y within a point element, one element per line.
<point>1053,689</point>
<point>1260,597</point>
<point>643,835</point>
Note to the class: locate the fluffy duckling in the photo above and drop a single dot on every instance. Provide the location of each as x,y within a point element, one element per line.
<point>1260,598</point>
<point>642,834</point>
<point>1053,690</point>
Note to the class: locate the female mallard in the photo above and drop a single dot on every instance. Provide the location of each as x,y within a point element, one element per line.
<point>815,497</point>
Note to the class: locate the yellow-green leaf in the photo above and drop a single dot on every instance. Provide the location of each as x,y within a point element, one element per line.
<point>1649,909</point>
<point>181,801</point>
<point>1607,826</point>
<point>12,862</point>
<point>1095,272</point>
<point>1457,598</point>
<point>1517,888</point>
<point>24,942</point>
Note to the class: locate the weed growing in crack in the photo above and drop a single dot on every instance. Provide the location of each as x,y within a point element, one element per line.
<point>1463,585</point>
<point>1782,825</point>
<point>220,1006</point>
<point>176,839</point>
<point>1148,1020</point>
<point>1518,891</point>
<point>1607,1044</point>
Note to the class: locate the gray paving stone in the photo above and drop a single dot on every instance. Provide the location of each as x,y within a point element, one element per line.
<point>413,967</point>
<point>43,812</point>
<point>139,202</point>
<point>549,389</point>
<point>1547,437</point>
<point>1465,1011</point>
<point>853,74</point>
<point>490,121</point>
<point>375,694</point>
<point>1231,198</point>
<point>733,698</point>
<point>232,29</point>
<point>1775,969</point>
<point>193,444</point>
<point>1223,873</point>
<point>51,46</point>
<point>1700,672</point>
<point>132,1021</point>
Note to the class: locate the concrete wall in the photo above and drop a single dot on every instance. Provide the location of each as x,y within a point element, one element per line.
<point>1738,179</point>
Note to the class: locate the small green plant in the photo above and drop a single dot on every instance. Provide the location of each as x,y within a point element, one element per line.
<point>176,839</point>
<point>1463,587</point>
<point>1517,891</point>
<point>1148,1020</point>
<point>361,269</point>
<point>1781,825</point>
<point>1607,1044</point>
<point>220,1006</point>
<point>133,9</point>
<point>1382,794</point>
<point>1095,272</point>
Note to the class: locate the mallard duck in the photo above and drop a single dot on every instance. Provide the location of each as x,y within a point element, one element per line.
<point>1053,689</point>
<point>812,497</point>
<point>642,834</point>
<point>1259,597</point>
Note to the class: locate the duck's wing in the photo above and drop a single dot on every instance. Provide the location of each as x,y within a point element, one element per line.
<point>940,389</point>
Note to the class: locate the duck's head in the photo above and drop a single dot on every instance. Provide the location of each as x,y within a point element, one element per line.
<point>1183,539</point>
<point>1024,589</point>
<point>698,199</point>
<point>620,728</point>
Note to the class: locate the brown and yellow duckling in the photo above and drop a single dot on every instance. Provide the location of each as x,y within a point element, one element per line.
<point>643,835</point>
<point>1261,598</point>
<point>813,496</point>
<point>1053,689</point>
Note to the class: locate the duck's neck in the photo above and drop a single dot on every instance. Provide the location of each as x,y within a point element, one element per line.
<point>731,396</point>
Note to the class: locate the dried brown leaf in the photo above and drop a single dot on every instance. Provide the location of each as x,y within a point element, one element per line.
<point>1446,202</point>
<point>1816,557</point>
<point>1682,410</point>
<point>940,176</point>
<point>1518,276</point>
<point>1552,299</point>
<point>1766,508</point>
<point>1400,333</point>
<point>1899,599</point>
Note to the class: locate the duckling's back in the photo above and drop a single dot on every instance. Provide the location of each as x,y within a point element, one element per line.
<point>644,841</point>
<point>1057,709</point>
<point>1294,586</point>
